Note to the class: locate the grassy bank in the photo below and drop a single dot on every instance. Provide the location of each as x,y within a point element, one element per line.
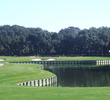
<point>11,74</point>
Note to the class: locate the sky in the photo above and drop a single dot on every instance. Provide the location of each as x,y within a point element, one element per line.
<point>54,15</point>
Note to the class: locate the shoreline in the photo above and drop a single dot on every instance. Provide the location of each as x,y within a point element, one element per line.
<point>88,62</point>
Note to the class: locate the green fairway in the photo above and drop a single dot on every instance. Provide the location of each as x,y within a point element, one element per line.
<point>11,74</point>
<point>82,58</point>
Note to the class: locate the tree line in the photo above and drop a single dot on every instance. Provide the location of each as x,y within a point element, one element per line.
<point>72,41</point>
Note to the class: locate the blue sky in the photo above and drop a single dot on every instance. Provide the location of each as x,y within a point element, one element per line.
<point>53,15</point>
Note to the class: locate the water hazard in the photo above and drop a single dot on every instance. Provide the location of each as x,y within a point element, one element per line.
<point>81,75</point>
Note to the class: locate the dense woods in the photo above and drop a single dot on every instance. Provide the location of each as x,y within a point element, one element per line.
<point>20,41</point>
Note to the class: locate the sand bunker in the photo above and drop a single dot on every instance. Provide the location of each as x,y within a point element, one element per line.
<point>36,59</point>
<point>43,60</point>
<point>2,59</point>
<point>1,64</point>
<point>50,59</point>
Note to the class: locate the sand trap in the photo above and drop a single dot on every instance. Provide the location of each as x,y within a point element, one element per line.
<point>50,59</point>
<point>43,60</point>
<point>2,59</point>
<point>36,59</point>
<point>1,64</point>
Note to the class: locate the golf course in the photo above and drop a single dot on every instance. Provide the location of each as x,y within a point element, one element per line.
<point>12,73</point>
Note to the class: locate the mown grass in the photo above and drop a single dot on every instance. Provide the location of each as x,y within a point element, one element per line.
<point>11,74</point>
<point>54,93</point>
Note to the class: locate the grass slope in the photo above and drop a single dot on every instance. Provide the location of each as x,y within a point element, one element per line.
<point>11,74</point>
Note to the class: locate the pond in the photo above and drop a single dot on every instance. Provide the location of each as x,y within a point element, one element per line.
<point>81,75</point>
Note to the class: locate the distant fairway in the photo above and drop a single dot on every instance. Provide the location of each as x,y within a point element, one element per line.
<point>64,58</point>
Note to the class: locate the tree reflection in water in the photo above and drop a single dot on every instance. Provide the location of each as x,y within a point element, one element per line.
<point>81,76</point>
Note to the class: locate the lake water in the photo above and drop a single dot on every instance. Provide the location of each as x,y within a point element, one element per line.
<point>81,75</point>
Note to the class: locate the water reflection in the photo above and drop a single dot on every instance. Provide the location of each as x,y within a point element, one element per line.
<point>81,76</point>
